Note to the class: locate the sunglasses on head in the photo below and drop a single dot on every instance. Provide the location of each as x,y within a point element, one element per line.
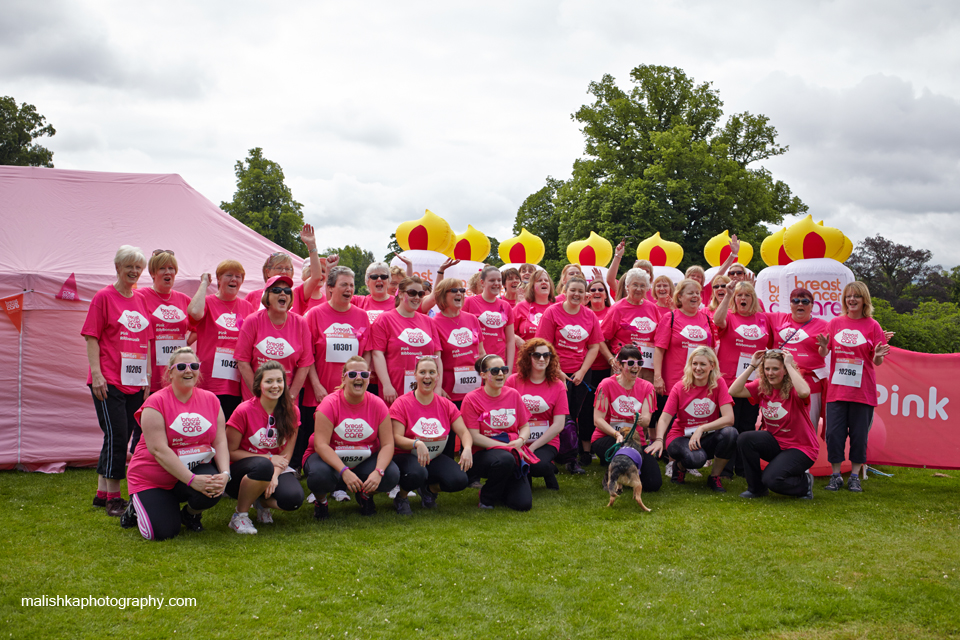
<point>773,352</point>
<point>413,293</point>
<point>157,252</point>
<point>800,300</point>
<point>182,366</point>
<point>353,374</point>
<point>271,432</point>
<point>279,290</point>
<point>631,363</point>
<point>495,371</point>
<point>538,355</point>
<point>379,276</point>
<point>457,290</point>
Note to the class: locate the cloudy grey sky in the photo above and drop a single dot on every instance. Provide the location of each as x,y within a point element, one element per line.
<point>379,110</point>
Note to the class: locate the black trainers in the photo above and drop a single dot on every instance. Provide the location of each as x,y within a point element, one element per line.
<point>853,483</point>
<point>427,498</point>
<point>367,508</point>
<point>116,507</point>
<point>809,478</point>
<point>551,482</point>
<point>715,484</point>
<point>99,502</point>
<point>586,458</point>
<point>191,520</point>
<point>574,468</point>
<point>402,504</point>
<point>129,518</point>
<point>750,494</point>
<point>321,510</point>
<point>836,483</point>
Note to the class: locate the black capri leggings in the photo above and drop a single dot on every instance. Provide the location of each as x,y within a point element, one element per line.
<point>784,473</point>
<point>322,478</point>
<point>115,415</point>
<point>848,420</point>
<point>502,485</point>
<point>289,492</point>
<point>158,510</point>
<point>545,468</point>
<point>717,444</point>
<point>649,468</point>
<point>442,470</point>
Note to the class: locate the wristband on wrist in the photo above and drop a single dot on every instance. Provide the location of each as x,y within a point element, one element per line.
<point>192,476</point>
<point>343,470</point>
<point>380,471</point>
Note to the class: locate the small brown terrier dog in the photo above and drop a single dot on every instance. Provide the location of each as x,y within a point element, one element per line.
<point>624,471</point>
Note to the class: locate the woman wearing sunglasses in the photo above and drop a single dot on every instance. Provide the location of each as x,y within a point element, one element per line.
<point>261,435</point>
<point>401,336</point>
<point>575,333</point>
<point>540,384</point>
<point>498,421</point>
<point>796,332</point>
<point>718,289</point>
<point>857,346</point>
<point>216,319</point>
<point>274,333</point>
<point>460,343</point>
<point>423,426</point>
<point>495,316</point>
<point>537,298</point>
<point>379,300</point>
<point>619,399</point>
<point>182,457</point>
<point>167,310</point>
<point>787,440</point>
<point>281,264</point>
<point>633,320</point>
<point>351,447</point>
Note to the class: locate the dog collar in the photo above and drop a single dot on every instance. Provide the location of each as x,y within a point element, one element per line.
<point>633,454</point>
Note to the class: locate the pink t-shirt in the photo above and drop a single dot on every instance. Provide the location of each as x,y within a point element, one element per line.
<point>170,324</point>
<point>301,305</point>
<point>599,363</point>
<point>217,334</point>
<point>739,340</point>
<point>492,416</point>
<point>787,420</point>
<point>403,340</point>
<point>356,434</point>
<point>570,334</point>
<point>853,377</point>
<point>513,303</point>
<point>191,429</point>
<point>544,401</point>
<point>494,318</point>
<point>685,335</point>
<point>335,335</point>
<point>431,423</point>
<point>802,345</point>
<point>694,407</point>
<point>261,341</point>
<point>635,324</point>
<point>623,402</point>
<point>254,299</point>
<point>252,421</point>
<point>526,318</point>
<point>374,308</point>
<point>123,328</point>
<point>460,347</point>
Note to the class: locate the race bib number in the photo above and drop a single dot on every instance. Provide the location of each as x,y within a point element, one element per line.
<point>340,349</point>
<point>743,363</point>
<point>353,456</point>
<point>646,353</point>
<point>192,456</point>
<point>537,429</point>
<point>165,349</point>
<point>688,431</point>
<point>225,365</point>
<point>435,447</point>
<point>465,379</point>
<point>133,369</point>
<point>848,372</point>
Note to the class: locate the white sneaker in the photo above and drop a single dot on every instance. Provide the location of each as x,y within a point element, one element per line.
<point>311,498</point>
<point>694,472</point>
<point>394,492</point>
<point>669,470</point>
<point>264,515</point>
<point>241,523</point>
<point>341,496</point>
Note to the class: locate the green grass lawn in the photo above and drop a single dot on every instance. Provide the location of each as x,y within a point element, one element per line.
<point>882,564</point>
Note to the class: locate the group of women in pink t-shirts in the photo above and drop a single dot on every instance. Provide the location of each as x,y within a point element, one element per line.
<point>410,389</point>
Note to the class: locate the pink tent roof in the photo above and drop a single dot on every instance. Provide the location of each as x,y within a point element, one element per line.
<point>57,222</point>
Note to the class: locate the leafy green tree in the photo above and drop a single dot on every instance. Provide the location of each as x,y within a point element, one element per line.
<point>392,247</point>
<point>494,257</point>
<point>357,259</point>
<point>657,159</point>
<point>933,327</point>
<point>900,274</point>
<point>265,203</point>
<point>19,126</point>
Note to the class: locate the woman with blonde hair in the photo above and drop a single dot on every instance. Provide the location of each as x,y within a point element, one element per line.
<point>718,288</point>
<point>568,271</point>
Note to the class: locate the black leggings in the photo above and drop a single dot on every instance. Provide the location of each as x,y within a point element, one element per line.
<point>229,404</point>
<point>649,468</point>
<point>848,420</point>
<point>545,468</point>
<point>716,444</point>
<point>322,478</point>
<point>303,433</point>
<point>442,470</point>
<point>585,418</point>
<point>289,492</point>
<point>745,416</point>
<point>115,415</point>
<point>576,398</point>
<point>502,485</point>
<point>158,510</point>
<point>784,473</point>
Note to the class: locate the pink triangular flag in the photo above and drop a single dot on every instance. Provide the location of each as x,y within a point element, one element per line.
<point>69,289</point>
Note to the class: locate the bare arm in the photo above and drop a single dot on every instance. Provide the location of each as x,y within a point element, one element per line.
<point>99,384</point>
<point>198,303</point>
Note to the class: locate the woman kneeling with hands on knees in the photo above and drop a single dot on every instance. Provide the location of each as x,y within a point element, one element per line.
<point>261,437</point>
<point>788,440</point>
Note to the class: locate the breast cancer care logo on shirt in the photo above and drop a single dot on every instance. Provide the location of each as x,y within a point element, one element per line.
<point>701,408</point>
<point>626,405</point>
<point>169,313</point>
<point>261,441</point>
<point>228,321</point>
<point>574,333</point>
<point>849,338</point>
<point>427,428</point>
<point>414,337</point>
<point>799,336</point>
<point>354,430</point>
<point>502,418</point>
<point>774,411</point>
<point>642,324</point>
<point>276,348</point>
<point>535,404</point>
<point>694,333</point>
<point>751,332</point>
<point>462,337</point>
<point>492,319</point>
<point>190,424</point>
<point>534,318</point>
<point>133,321</point>
<point>339,330</point>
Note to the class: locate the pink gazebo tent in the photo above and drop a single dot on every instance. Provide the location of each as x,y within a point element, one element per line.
<point>56,223</point>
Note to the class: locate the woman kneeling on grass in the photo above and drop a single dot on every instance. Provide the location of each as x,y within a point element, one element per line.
<point>497,419</point>
<point>261,437</point>
<point>788,440</point>
<point>422,424</point>
<point>704,418</point>
<point>352,444</point>
<point>183,431</point>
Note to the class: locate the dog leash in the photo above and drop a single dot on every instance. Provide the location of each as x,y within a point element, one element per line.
<point>612,451</point>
